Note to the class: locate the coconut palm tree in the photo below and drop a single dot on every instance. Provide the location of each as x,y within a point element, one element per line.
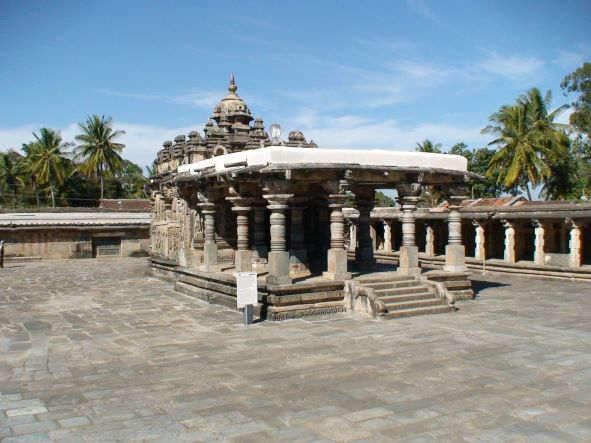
<point>98,151</point>
<point>431,195</point>
<point>429,146</point>
<point>47,159</point>
<point>11,173</point>
<point>27,162</point>
<point>526,136</point>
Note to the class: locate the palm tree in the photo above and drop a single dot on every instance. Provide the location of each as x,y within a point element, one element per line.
<point>526,135</point>
<point>429,146</point>
<point>47,159</point>
<point>11,172</point>
<point>431,195</point>
<point>97,149</point>
<point>27,161</point>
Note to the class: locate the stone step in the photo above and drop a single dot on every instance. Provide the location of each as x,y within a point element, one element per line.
<point>383,278</point>
<point>464,294</point>
<point>391,284</point>
<point>407,297</point>
<point>417,311</point>
<point>401,291</point>
<point>413,304</point>
<point>457,284</point>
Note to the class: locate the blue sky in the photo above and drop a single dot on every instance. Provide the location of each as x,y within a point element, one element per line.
<point>348,73</point>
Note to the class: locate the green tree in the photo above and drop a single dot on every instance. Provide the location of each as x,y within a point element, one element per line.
<point>429,146</point>
<point>383,201</point>
<point>47,159</point>
<point>478,161</point>
<point>132,180</point>
<point>11,174</point>
<point>526,135</point>
<point>430,195</point>
<point>579,81</point>
<point>27,162</point>
<point>98,151</point>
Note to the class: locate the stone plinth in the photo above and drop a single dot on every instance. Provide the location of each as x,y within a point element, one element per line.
<point>278,268</point>
<point>409,252</point>
<point>455,258</point>
<point>278,257</point>
<point>210,248</point>
<point>337,255</point>
<point>409,261</point>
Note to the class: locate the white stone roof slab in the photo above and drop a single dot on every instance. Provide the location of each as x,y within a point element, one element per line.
<point>73,218</point>
<point>286,155</point>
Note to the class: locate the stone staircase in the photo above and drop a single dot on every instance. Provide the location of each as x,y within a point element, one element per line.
<point>401,296</point>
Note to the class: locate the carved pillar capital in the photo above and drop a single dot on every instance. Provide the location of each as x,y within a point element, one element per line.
<point>409,190</point>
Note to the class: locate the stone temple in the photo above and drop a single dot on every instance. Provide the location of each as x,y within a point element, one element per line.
<point>235,199</point>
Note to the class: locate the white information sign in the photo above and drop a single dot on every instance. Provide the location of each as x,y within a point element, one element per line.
<point>246,286</point>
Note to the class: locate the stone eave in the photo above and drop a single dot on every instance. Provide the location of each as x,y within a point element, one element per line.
<point>77,227</point>
<point>542,214</point>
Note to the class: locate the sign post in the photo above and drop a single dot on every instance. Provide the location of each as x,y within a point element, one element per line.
<point>246,289</point>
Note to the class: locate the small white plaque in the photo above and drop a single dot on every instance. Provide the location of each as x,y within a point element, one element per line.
<point>246,287</point>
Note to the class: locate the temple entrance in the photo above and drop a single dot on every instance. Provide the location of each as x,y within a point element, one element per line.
<point>106,247</point>
<point>525,240</point>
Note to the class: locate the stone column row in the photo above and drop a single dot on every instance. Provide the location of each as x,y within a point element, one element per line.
<point>409,253</point>
<point>278,256</point>
<point>337,255</point>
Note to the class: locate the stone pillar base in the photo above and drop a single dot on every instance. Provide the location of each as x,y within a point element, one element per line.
<point>278,268</point>
<point>409,261</point>
<point>455,258</point>
<point>337,265</point>
<point>243,261</point>
<point>210,259</point>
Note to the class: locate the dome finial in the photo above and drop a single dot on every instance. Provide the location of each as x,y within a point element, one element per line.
<point>232,86</point>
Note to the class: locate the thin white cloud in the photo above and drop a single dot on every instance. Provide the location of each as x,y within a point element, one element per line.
<point>423,8</point>
<point>200,99</point>
<point>513,67</point>
<point>350,131</point>
<point>573,58</point>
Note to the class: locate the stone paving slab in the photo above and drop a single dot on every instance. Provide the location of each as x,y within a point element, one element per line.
<point>94,350</point>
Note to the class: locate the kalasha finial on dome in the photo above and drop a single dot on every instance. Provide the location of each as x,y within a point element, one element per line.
<point>232,86</point>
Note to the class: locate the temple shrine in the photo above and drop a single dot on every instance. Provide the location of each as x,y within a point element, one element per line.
<point>236,199</point>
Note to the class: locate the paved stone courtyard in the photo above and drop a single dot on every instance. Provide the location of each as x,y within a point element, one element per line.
<point>94,350</point>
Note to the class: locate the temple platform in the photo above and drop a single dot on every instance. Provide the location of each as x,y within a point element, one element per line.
<point>379,292</point>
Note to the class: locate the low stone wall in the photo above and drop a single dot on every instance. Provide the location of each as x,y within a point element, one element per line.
<point>279,302</point>
<point>496,265</point>
<point>66,243</point>
<point>305,300</point>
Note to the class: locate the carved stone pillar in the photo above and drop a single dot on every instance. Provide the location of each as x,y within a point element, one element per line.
<point>387,236</point>
<point>574,260</point>
<point>429,240</point>
<point>260,249</point>
<point>539,243</point>
<point>278,256</point>
<point>409,253</point>
<point>364,201</point>
<point>455,253</point>
<point>298,255</point>
<point>479,241</point>
<point>509,253</point>
<point>337,255</point>
<point>210,249</point>
<point>243,255</point>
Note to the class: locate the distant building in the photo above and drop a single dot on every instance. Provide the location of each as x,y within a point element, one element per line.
<point>65,233</point>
